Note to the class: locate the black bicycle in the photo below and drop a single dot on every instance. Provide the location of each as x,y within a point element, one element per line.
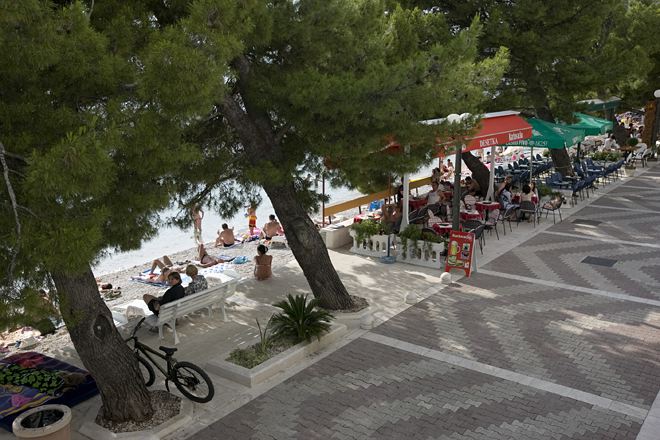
<point>191,380</point>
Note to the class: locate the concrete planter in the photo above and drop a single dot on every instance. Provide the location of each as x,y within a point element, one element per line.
<point>97,432</point>
<point>277,364</point>
<point>426,254</point>
<point>46,422</point>
<point>374,246</point>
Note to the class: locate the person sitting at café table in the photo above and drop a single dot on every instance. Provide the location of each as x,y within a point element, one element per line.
<point>506,197</point>
<point>435,195</point>
<point>527,194</point>
<point>391,219</point>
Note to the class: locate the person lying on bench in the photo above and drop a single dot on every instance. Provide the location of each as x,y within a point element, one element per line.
<point>172,294</point>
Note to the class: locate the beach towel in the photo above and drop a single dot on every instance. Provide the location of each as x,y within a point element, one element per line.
<point>242,259</point>
<point>32,379</point>
<point>144,278</point>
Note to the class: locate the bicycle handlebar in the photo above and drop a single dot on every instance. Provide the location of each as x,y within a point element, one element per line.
<point>137,327</point>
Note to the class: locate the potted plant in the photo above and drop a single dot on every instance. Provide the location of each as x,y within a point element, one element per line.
<point>300,320</point>
<point>412,233</point>
<point>46,422</point>
<point>365,229</point>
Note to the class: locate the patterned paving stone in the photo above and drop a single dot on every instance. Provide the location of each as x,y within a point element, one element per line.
<point>649,202</point>
<point>558,258</point>
<point>588,342</point>
<point>615,224</point>
<point>370,391</point>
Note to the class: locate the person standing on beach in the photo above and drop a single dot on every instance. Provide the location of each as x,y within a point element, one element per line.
<point>197,216</point>
<point>252,219</point>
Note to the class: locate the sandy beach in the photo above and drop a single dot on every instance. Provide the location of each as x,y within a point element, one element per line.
<point>59,342</point>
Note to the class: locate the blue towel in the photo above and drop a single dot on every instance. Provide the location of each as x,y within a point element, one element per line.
<point>241,259</point>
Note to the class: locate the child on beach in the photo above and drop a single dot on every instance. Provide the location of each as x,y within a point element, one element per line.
<point>197,215</point>
<point>252,218</point>
<point>262,264</point>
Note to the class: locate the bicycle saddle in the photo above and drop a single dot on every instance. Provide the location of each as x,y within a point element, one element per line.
<point>167,350</point>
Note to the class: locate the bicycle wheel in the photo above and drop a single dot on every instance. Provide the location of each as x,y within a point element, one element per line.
<point>193,382</point>
<point>147,371</point>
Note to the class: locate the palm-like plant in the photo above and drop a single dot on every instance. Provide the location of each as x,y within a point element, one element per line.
<point>300,319</point>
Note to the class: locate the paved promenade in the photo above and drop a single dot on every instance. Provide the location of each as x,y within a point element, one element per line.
<point>557,338</point>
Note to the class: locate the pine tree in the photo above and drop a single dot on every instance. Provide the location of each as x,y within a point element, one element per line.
<point>316,82</point>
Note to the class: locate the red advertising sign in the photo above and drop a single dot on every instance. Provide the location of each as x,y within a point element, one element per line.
<point>459,252</point>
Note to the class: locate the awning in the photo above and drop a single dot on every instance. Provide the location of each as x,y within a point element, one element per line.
<point>548,135</point>
<point>498,129</point>
<point>591,125</point>
<point>598,104</point>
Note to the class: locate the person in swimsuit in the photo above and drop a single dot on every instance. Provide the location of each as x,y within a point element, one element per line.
<point>272,228</point>
<point>225,237</point>
<point>252,219</point>
<point>262,263</point>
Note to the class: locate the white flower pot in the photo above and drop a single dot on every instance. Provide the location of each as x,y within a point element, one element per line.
<point>56,421</point>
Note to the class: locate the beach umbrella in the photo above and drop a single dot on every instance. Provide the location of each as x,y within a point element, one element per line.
<point>591,125</point>
<point>548,135</point>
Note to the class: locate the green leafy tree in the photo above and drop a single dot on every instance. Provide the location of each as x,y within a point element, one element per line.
<point>315,82</point>
<point>561,51</point>
<point>86,164</point>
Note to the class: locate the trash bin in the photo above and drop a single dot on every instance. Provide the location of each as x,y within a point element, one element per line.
<point>46,422</point>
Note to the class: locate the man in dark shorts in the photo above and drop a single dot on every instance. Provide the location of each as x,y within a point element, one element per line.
<point>172,294</point>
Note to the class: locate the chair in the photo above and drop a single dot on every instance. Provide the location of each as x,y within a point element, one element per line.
<point>552,206</point>
<point>477,228</point>
<point>527,207</point>
<point>505,215</point>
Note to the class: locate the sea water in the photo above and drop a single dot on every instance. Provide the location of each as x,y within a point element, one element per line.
<point>173,239</point>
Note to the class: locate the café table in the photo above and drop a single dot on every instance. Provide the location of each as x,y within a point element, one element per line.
<point>442,228</point>
<point>360,217</point>
<point>486,206</point>
<point>470,215</point>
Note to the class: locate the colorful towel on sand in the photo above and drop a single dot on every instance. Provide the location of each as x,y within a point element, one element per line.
<point>145,278</point>
<point>31,379</point>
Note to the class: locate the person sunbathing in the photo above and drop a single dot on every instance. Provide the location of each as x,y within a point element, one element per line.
<point>272,228</point>
<point>206,260</point>
<point>225,237</point>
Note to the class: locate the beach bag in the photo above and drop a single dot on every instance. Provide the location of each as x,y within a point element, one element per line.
<point>242,259</point>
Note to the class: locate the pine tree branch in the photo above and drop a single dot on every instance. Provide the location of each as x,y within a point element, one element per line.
<point>12,197</point>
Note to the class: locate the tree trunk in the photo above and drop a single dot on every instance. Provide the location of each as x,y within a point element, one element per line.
<point>479,171</point>
<point>539,97</point>
<point>308,248</point>
<point>102,350</point>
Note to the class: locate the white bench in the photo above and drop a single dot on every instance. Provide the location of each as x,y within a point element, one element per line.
<point>205,299</point>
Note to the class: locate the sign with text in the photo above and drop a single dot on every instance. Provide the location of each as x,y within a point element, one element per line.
<point>459,252</point>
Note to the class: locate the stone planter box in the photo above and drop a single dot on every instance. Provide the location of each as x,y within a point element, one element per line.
<point>281,362</point>
<point>97,432</point>
<point>425,254</point>
<point>374,246</point>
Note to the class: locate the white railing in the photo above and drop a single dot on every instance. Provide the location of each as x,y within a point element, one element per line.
<point>374,246</point>
<point>425,254</point>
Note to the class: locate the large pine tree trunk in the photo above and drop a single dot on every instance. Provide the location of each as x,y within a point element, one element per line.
<point>100,347</point>
<point>479,171</point>
<point>308,248</point>
<point>539,97</point>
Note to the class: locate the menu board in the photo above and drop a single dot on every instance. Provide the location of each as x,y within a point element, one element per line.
<point>459,252</point>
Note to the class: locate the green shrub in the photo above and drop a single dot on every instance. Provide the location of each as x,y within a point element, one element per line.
<point>544,190</point>
<point>365,229</point>
<point>300,320</point>
<point>412,232</point>
<point>632,141</point>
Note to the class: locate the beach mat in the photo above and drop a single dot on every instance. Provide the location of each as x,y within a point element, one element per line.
<point>76,385</point>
